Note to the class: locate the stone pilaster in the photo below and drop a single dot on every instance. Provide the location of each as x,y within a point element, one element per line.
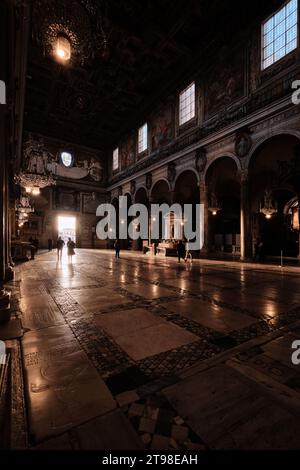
<point>245,218</point>
<point>4,158</point>
<point>204,200</point>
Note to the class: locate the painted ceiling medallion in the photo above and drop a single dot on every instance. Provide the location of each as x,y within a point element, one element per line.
<point>70,30</point>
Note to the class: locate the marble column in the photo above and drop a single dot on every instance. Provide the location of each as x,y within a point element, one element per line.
<point>299,225</point>
<point>245,219</point>
<point>4,158</point>
<point>4,295</point>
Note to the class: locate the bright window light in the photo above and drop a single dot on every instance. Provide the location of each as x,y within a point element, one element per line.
<point>280,34</point>
<point>143,138</point>
<point>187,104</point>
<point>116,159</point>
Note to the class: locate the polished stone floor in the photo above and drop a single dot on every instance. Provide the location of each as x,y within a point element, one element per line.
<point>144,352</point>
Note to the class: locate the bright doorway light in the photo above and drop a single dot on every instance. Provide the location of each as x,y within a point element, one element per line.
<point>67,228</point>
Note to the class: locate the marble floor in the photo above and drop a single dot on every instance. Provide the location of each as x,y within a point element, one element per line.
<point>146,353</point>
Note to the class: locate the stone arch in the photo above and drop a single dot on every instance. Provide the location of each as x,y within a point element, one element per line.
<point>186,188</point>
<point>273,175</point>
<point>223,182</point>
<point>160,192</point>
<point>265,138</point>
<point>141,195</point>
<point>220,156</point>
<point>189,169</point>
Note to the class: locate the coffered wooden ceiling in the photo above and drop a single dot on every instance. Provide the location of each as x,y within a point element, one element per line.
<point>151,45</point>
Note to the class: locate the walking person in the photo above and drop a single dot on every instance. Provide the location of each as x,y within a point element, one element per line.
<point>117,248</point>
<point>71,251</point>
<point>59,245</point>
<point>180,250</point>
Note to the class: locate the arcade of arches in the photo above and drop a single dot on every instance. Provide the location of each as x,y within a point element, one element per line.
<point>242,206</point>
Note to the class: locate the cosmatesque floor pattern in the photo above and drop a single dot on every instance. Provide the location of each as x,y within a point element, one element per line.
<point>143,352</point>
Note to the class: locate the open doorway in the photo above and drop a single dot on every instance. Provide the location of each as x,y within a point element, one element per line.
<point>67,228</point>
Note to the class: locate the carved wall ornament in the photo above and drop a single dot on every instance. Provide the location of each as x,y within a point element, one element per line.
<point>200,160</point>
<point>120,191</point>
<point>171,172</point>
<point>149,180</point>
<point>243,144</point>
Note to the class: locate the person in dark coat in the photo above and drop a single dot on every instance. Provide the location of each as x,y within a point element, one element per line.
<point>71,251</point>
<point>36,244</point>
<point>59,245</point>
<point>180,250</point>
<point>50,244</point>
<point>117,248</point>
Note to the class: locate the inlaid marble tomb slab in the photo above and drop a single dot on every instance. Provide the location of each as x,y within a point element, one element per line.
<point>141,334</point>
<point>62,387</point>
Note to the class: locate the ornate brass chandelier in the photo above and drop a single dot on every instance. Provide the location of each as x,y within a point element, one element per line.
<point>23,205</point>
<point>214,207</point>
<point>70,30</point>
<point>268,209</point>
<point>35,174</point>
<point>23,210</point>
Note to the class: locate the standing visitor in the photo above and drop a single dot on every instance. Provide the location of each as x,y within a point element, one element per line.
<point>59,245</point>
<point>71,251</point>
<point>36,244</point>
<point>50,244</point>
<point>180,250</point>
<point>117,248</point>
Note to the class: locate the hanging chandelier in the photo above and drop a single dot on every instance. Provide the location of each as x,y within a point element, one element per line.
<point>23,210</point>
<point>23,205</point>
<point>268,209</point>
<point>70,30</point>
<point>35,175</point>
<point>214,206</point>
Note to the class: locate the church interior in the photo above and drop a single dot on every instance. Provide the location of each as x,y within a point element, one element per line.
<point>141,343</point>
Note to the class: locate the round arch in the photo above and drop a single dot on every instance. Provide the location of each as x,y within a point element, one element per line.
<point>141,195</point>
<point>221,156</point>
<point>186,188</point>
<point>264,139</point>
<point>273,180</point>
<point>160,191</point>
<point>128,195</point>
<point>189,169</point>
